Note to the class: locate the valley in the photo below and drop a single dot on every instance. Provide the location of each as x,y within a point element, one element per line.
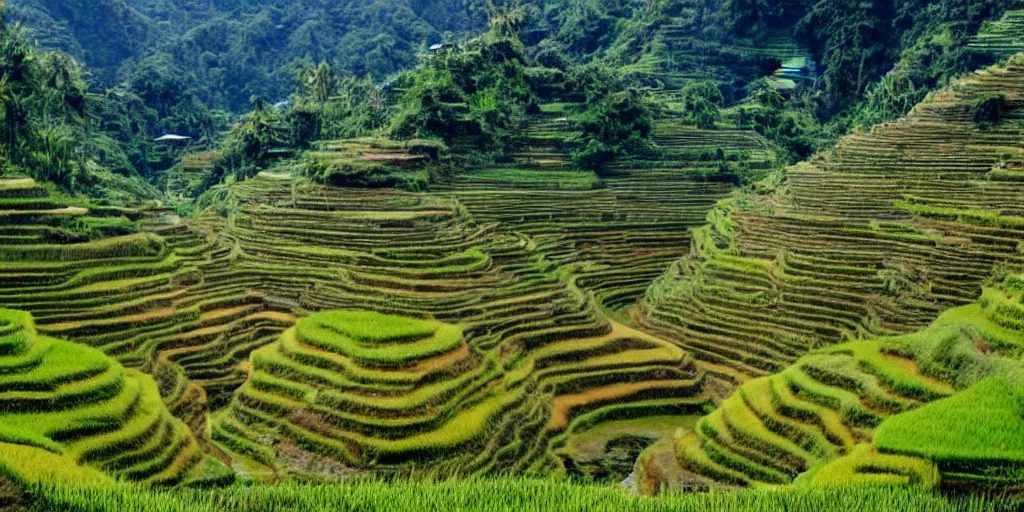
<point>697,269</point>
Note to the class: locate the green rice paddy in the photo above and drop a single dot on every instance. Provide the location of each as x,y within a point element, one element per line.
<point>846,335</point>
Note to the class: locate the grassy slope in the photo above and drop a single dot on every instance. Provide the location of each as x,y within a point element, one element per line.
<point>936,405</point>
<point>68,412</point>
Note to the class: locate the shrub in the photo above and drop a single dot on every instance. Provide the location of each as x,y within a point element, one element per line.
<point>701,101</point>
<point>988,111</point>
<point>619,125</point>
<point>357,173</point>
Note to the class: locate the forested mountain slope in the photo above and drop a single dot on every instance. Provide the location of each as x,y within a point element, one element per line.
<point>230,51</point>
<point>188,68</point>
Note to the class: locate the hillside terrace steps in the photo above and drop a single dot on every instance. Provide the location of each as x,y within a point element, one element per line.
<point>413,255</point>
<point>855,413</point>
<point>620,235</point>
<point>193,170</point>
<point>542,143</point>
<point>1001,38</point>
<point>679,53</point>
<point>143,298</point>
<point>877,236</point>
<point>73,401</point>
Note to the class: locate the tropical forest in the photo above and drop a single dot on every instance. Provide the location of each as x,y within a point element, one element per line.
<point>511,255</point>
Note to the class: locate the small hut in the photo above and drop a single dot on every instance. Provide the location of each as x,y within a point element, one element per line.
<point>170,138</point>
<point>166,150</point>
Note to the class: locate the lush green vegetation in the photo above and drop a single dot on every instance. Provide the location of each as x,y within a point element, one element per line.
<point>489,495</point>
<point>68,405</point>
<point>228,51</point>
<point>991,440</point>
<point>805,424</point>
<point>565,241</point>
<point>49,130</point>
<point>883,411</point>
<point>171,69</point>
<point>620,124</point>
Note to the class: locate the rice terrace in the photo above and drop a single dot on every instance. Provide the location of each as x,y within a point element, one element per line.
<point>507,255</point>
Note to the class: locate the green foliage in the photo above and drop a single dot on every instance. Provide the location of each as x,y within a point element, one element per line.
<point>759,17</point>
<point>56,159</point>
<point>246,148</point>
<point>851,39</point>
<point>887,53</point>
<point>231,50</point>
<point>63,85</point>
<point>179,64</point>
<point>171,99</point>
<point>50,130</point>
<point>431,107</point>
<point>320,83</point>
<point>988,111</point>
<point>362,173</point>
<point>481,91</point>
<point>858,42</point>
<point>975,431</point>
<point>345,109</point>
<point>618,125</point>
<point>701,101</point>
<point>103,32</point>
<point>788,121</point>
<point>584,27</point>
<point>492,495</point>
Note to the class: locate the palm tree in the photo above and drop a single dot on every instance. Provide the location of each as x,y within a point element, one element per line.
<point>255,135</point>
<point>320,82</point>
<point>62,76</point>
<point>16,130</point>
<point>508,20</point>
<point>5,94</point>
<point>55,158</point>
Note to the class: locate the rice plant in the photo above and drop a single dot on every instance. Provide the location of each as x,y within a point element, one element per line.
<point>499,495</point>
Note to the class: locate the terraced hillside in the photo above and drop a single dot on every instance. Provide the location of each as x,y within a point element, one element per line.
<point>79,407</point>
<point>543,143</point>
<point>1002,38</point>
<point>374,162</point>
<point>680,52</point>
<point>620,233</point>
<point>536,360</point>
<point>492,325</point>
<point>140,286</point>
<point>186,179</point>
<point>541,363</point>
<point>940,406</point>
<point>875,237</point>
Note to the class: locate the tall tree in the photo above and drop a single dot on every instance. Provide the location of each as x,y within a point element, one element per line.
<point>62,79</point>
<point>701,100</point>
<point>320,83</point>
<point>508,20</point>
